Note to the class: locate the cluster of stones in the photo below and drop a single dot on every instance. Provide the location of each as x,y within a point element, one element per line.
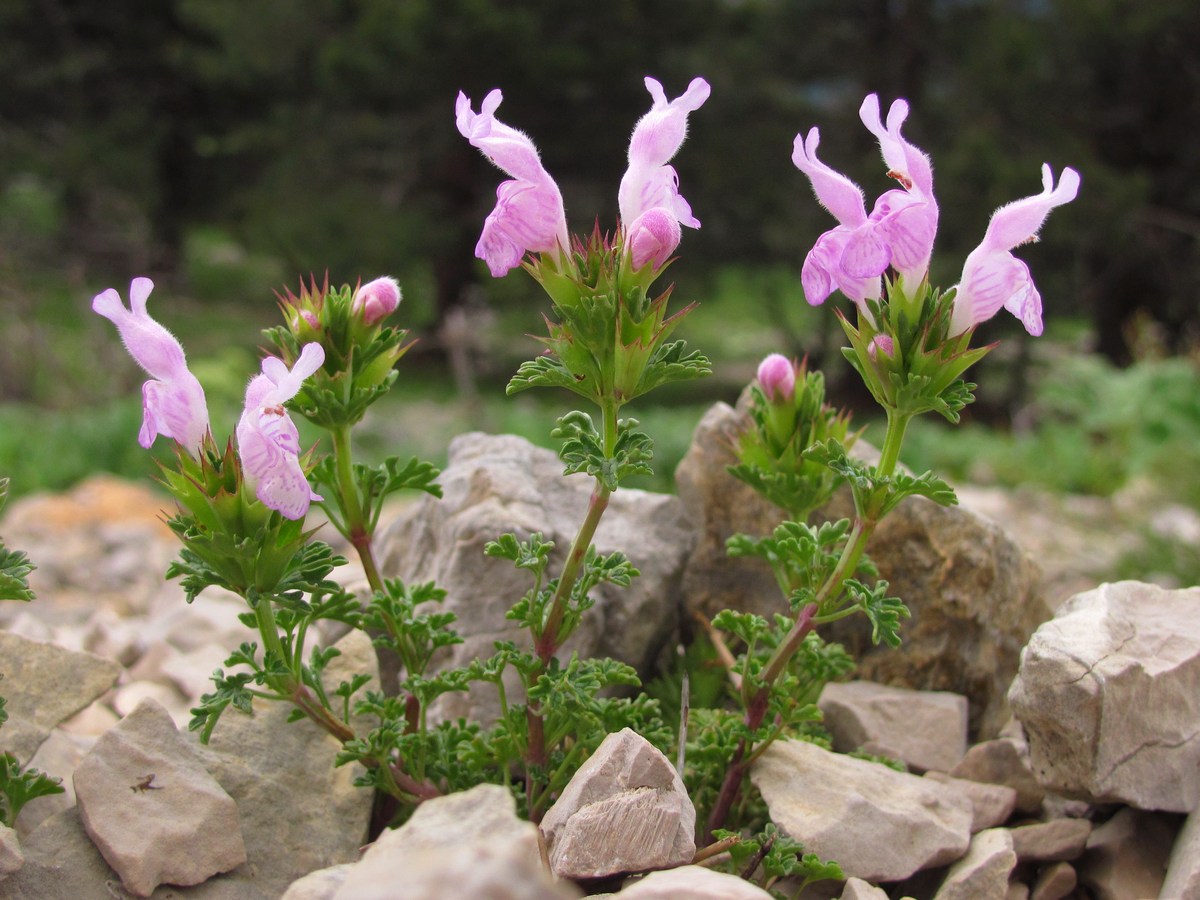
<point>1048,754</point>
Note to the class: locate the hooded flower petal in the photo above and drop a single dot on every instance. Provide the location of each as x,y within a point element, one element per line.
<point>268,442</point>
<point>173,403</point>
<point>777,378</point>
<point>837,193</point>
<point>529,214</point>
<point>992,277</point>
<point>825,269</point>
<point>649,182</point>
<point>652,238</point>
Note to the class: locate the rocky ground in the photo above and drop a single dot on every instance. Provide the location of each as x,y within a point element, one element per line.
<point>1083,794</point>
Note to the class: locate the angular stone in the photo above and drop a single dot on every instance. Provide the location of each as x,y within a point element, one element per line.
<point>11,858</point>
<point>1054,882</point>
<point>1003,761</point>
<point>879,824</point>
<point>44,685</point>
<point>151,808</point>
<point>857,889</point>
<point>991,804</point>
<point>1059,840</point>
<point>624,810</point>
<point>973,591</point>
<point>1183,868</point>
<point>924,729</point>
<point>1127,856</point>
<point>693,883</point>
<point>983,873</point>
<point>58,756</point>
<point>1106,694</point>
<point>1017,890</point>
<point>495,484</point>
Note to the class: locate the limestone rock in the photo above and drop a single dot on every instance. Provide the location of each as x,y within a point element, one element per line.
<point>58,756</point>
<point>44,685</point>
<point>1054,882</point>
<point>924,729</point>
<point>991,804</point>
<point>151,808</point>
<point>1003,761</point>
<point>1183,868</point>
<point>319,885</point>
<point>694,883</point>
<point>1059,840</point>
<point>495,484</point>
<point>857,889</point>
<point>879,824</point>
<point>973,592</point>
<point>983,873</point>
<point>624,810</point>
<point>1106,694</point>
<point>11,858</point>
<point>478,828</point>
<point>1127,856</point>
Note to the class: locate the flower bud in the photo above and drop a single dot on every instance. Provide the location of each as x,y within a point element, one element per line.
<point>881,343</point>
<point>376,300</point>
<point>777,377</point>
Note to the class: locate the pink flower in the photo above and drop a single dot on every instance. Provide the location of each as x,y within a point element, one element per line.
<point>899,231</point>
<point>649,191</point>
<point>268,442</point>
<point>777,378</point>
<point>376,300</point>
<point>529,213</point>
<point>881,343</point>
<point>992,277</point>
<point>173,402</point>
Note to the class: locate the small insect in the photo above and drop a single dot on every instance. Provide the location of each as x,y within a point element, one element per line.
<point>146,784</point>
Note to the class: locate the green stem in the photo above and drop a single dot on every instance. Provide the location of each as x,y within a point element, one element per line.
<point>890,454</point>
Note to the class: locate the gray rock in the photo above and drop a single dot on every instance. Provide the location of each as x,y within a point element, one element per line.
<point>991,804</point>
<point>983,873</point>
<point>692,883</point>
<point>152,810</point>
<point>1183,868</point>
<point>58,756</point>
<point>1054,882</point>
<point>624,810</point>
<point>1106,694</point>
<point>1003,761</point>
<point>11,858</point>
<point>495,484</point>
<point>1059,840</point>
<point>1127,856</point>
<point>477,828</point>
<point>879,824</point>
<point>973,592</point>
<point>924,729</point>
<point>44,685</point>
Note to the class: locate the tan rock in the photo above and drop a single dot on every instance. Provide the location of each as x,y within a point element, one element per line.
<point>11,858</point>
<point>1106,694</point>
<point>857,889</point>
<point>991,804</point>
<point>1183,867</point>
<point>924,729</point>
<point>1003,761</point>
<point>1127,856</point>
<point>1054,882</point>
<point>983,873</point>
<point>693,883</point>
<point>879,824</point>
<point>1059,840</point>
<point>624,810</point>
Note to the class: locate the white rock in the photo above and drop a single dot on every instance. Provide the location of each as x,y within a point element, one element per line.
<point>11,858</point>
<point>91,721</point>
<point>983,873</point>
<point>925,729</point>
<point>857,889</point>
<point>156,815</point>
<point>879,824</point>
<point>692,883</point>
<point>44,685</point>
<point>991,804</point>
<point>129,697</point>
<point>1106,693</point>
<point>624,810</point>
<point>319,885</point>
<point>58,756</point>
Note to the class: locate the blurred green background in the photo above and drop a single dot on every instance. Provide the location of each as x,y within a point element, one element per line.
<point>228,148</point>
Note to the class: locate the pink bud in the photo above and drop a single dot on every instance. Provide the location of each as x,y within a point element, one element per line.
<point>881,343</point>
<point>777,378</point>
<point>376,300</point>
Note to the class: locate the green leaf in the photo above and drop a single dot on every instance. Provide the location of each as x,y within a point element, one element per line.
<point>18,786</point>
<point>14,570</point>
<point>883,611</point>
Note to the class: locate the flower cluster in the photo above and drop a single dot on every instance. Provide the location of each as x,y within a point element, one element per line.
<point>173,403</point>
<point>900,229</point>
<point>529,216</point>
